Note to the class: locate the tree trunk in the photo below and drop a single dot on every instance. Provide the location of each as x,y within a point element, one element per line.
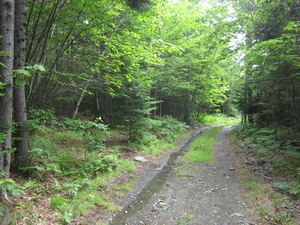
<point>80,99</point>
<point>272,109</point>
<point>20,111</point>
<point>7,45</point>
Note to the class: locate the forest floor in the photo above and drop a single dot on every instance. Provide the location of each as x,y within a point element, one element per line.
<point>207,193</point>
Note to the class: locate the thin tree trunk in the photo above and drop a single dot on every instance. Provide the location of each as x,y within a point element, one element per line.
<point>80,99</point>
<point>274,119</point>
<point>20,111</point>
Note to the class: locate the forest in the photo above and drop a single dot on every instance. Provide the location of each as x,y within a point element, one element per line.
<point>76,74</point>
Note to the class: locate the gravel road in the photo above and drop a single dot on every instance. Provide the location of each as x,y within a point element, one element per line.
<point>197,193</point>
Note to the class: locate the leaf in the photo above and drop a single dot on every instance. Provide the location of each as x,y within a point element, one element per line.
<point>20,81</point>
<point>39,67</point>
<point>22,71</point>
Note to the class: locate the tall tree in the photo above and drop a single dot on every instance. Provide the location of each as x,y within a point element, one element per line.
<point>6,99</point>
<point>20,110</point>
<point>272,64</point>
<point>6,96</point>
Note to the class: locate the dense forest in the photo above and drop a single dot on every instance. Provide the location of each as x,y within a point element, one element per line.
<point>147,68</point>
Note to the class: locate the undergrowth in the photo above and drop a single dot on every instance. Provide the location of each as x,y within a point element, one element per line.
<point>282,153</point>
<point>217,119</point>
<point>71,166</point>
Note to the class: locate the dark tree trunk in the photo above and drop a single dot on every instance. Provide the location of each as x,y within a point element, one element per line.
<point>7,45</point>
<point>6,93</point>
<point>20,111</point>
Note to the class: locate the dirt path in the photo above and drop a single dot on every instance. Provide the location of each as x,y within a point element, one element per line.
<point>197,193</point>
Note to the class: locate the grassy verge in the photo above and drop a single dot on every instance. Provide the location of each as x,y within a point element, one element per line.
<point>202,149</point>
<point>271,207</point>
<point>283,152</point>
<point>283,157</point>
<point>71,168</point>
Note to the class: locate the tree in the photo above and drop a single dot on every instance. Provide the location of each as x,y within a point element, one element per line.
<point>272,69</point>
<point>6,95</point>
<point>193,79</point>
<point>20,109</point>
<point>6,71</point>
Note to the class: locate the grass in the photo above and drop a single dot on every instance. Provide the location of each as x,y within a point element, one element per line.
<point>158,146</point>
<point>270,204</point>
<point>202,149</point>
<point>185,171</point>
<point>218,118</point>
<point>185,219</point>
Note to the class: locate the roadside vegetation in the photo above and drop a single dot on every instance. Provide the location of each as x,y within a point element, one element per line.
<point>280,152</point>
<point>219,119</point>
<point>75,162</point>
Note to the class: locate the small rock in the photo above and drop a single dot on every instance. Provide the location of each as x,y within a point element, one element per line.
<point>267,177</point>
<point>140,159</point>
<point>232,169</point>
<point>261,162</point>
<point>279,186</point>
<point>238,215</point>
<point>252,159</point>
<point>277,159</point>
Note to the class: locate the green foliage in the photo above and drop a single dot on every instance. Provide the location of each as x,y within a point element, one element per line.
<point>217,119</point>
<point>27,71</point>
<point>11,186</point>
<point>58,202</point>
<point>91,133</point>
<point>2,53</point>
<point>271,64</point>
<point>294,187</point>
<point>65,136</point>
<point>185,219</point>
<point>68,166</point>
<point>160,127</point>
<point>2,86</point>
<point>42,120</point>
<point>283,152</point>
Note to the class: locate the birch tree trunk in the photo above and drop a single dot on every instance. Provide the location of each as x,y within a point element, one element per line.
<point>80,99</point>
<point>20,111</point>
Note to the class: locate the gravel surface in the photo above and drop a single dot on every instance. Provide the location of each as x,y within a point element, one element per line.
<point>197,193</point>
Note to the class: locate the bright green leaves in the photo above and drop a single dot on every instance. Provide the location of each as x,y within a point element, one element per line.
<point>28,71</point>
<point>200,36</point>
<point>11,186</point>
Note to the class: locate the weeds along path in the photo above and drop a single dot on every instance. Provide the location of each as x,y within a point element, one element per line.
<point>199,193</point>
